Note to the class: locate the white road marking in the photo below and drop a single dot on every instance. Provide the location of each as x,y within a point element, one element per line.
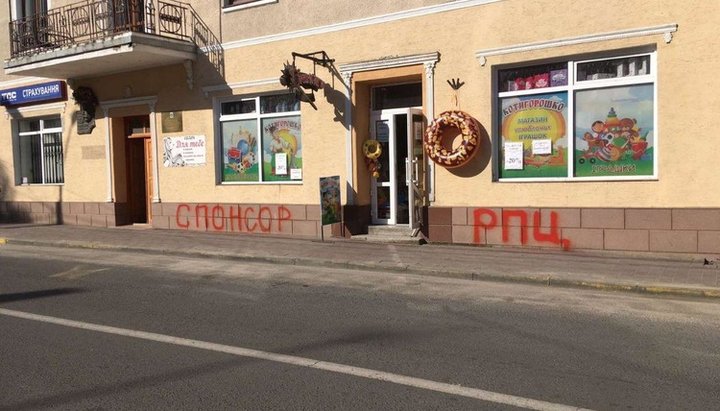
<point>78,272</point>
<point>459,390</point>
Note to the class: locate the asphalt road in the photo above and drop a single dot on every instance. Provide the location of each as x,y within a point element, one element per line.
<point>92,329</point>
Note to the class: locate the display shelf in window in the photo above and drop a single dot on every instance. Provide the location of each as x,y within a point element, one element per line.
<point>535,77</point>
<point>613,68</point>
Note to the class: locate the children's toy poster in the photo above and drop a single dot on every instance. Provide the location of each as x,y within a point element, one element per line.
<point>538,123</point>
<point>282,150</point>
<point>614,132</point>
<point>330,199</point>
<point>240,151</point>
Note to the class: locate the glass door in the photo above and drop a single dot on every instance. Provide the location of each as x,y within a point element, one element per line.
<point>397,194</point>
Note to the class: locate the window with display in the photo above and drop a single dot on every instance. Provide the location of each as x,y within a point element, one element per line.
<point>40,151</point>
<point>261,139</point>
<point>241,4</point>
<point>590,119</point>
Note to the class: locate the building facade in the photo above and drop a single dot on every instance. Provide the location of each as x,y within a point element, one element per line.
<point>573,124</point>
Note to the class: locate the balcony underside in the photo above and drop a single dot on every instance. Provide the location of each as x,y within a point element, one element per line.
<point>129,51</point>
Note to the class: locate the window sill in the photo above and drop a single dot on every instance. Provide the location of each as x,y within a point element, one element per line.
<point>229,9</point>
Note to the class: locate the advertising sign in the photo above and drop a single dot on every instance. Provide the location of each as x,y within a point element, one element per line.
<point>330,199</point>
<point>184,151</point>
<point>614,131</point>
<point>36,93</point>
<point>538,124</point>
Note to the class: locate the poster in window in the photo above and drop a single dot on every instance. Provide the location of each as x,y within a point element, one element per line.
<point>540,118</point>
<point>281,135</point>
<point>240,151</point>
<point>614,132</point>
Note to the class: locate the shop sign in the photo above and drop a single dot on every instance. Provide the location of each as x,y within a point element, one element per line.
<point>172,122</point>
<point>184,151</point>
<point>36,93</point>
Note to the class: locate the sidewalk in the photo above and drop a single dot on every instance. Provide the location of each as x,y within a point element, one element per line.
<point>656,274</point>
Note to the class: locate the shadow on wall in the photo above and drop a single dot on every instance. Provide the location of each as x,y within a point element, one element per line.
<point>10,212</point>
<point>481,160</point>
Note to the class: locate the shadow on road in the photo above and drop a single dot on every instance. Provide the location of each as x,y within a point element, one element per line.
<point>29,295</point>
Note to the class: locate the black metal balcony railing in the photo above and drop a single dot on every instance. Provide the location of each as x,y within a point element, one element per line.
<point>97,19</point>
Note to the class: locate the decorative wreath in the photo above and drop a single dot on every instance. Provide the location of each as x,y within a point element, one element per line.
<point>470,130</point>
<point>372,149</point>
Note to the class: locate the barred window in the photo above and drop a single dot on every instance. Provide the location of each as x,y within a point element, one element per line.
<point>41,151</point>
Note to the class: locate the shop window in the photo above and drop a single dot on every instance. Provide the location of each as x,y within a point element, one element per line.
<point>591,119</point>
<point>241,4</point>
<point>261,146</point>
<point>40,151</point>
<point>397,96</point>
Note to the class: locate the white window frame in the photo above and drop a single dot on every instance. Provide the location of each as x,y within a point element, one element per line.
<point>40,132</point>
<point>248,5</point>
<point>250,116</point>
<point>573,86</point>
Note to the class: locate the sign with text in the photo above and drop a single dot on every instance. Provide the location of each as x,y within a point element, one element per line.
<point>36,93</point>
<point>184,151</point>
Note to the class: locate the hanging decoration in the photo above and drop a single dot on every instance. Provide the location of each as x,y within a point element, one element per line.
<point>372,150</point>
<point>298,82</point>
<point>452,120</point>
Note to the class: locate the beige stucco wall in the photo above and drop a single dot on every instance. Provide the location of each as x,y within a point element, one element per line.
<point>291,15</point>
<point>687,105</point>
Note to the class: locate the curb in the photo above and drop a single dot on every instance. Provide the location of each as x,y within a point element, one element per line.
<point>404,269</point>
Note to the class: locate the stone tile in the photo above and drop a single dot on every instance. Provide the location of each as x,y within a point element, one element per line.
<point>92,208</point>
<point>485,216</point>
<point>674,241</point>
<point>3,208</point>
<point>65,208</point>
<point>77,208</point>
<point>440,216</point>
<point>709,242</point>
<point>69,219</point>
<point>459,216</point>
<point>515,236</point>
<point>168,209</point>
<point>440,233</point>
<point>515,217</point>
<point>648,218</point>
<point>584,238</point>
<point>627,240</point>
<point>111,220</point>
<point>284,227</point>
<point>566,217</point>
<point>297,212</point>
<point>156,209</point>
<point>464,234</point>
<point>109,208</point>
<point>36,207</point>
<point>545,237</point>
<point>602,218</point>
<point>40,218</point>
<point>84,219</point>
<point>97,220</point>
<point>305,228</point>
<point>24,207</point>
<point>312,212</point>
<point>696,219</point>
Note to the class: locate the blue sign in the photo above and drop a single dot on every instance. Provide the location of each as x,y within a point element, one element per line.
<point>54,90</point>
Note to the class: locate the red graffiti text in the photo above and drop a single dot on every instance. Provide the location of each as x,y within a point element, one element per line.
<point>488,219</point>
<point>232,218</point>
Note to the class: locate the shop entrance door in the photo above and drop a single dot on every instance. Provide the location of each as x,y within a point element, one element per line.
<point>139,161</point>
<point>397,196</point>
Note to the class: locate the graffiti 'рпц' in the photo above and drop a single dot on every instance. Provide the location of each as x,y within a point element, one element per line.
<point>552,237</point>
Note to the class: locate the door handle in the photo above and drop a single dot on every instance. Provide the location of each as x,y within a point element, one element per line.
<point>408,171</point>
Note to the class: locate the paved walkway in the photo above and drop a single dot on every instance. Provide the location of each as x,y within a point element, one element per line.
<point>658,274</point>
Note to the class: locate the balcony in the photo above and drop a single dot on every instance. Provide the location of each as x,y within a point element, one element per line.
<point>101,37</point>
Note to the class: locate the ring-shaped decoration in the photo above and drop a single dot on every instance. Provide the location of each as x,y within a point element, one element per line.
<point>469,130</point>
<point>372,149</point>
